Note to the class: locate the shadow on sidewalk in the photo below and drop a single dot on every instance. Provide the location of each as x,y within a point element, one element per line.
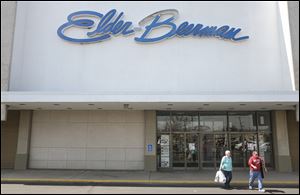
<point>277,191</point>
<point>267,191</point>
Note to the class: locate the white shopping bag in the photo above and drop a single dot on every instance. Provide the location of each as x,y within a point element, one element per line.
<point>220,177</point>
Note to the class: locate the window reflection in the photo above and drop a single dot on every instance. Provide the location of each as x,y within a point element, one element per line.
<point>208,150</point>
<point>221,146</point>
<point>265,148</point>
<point>163,122</point>
<point>242,121</point>
<point>264,121</point>
<point>184,121</point>
<point>237,150</point>
<point>211,123</point>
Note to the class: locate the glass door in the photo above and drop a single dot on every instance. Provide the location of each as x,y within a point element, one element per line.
<point>221,146</point>
<point>250,144</point>
<point>237,150</point>
<point>178,150</point>
<point>213,147</point>
<point>242,146</point>
<point>185,150</point>
<point>207,150</point>
<point>192,150</point>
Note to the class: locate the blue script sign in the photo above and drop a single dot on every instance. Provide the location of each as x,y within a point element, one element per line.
<point>111,24</point>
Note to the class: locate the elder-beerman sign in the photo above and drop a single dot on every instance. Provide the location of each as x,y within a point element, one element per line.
<point>111,24</point>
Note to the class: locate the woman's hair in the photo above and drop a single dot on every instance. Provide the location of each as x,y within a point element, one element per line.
<point>227,151</point>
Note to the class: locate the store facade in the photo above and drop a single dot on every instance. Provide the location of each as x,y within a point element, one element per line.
<point>147,86</point>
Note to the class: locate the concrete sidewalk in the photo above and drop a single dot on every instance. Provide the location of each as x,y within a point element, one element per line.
<point>139,178</point>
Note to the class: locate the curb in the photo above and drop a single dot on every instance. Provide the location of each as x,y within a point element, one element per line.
<point>152,183</point>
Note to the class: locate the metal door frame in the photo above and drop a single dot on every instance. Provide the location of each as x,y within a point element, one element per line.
<point>245,158</point>
<point>185,158</point>
<point>214,161</point>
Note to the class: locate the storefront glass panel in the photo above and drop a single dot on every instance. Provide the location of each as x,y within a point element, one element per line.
<point>192,149</point>
<point>163,122</point>
<point>265,148</point>
<point>237,150</point>
<point>242,121</point>
<point>221,145</point>
<point>178,146</point>
<point>242,146</point>
<point>264,121</point>
<point>182,121</point>
<point>208,150</point>
<point>213,122</point>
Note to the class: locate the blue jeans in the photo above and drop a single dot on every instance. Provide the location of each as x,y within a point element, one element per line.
<point>228,175</point>
<point>253,176</point>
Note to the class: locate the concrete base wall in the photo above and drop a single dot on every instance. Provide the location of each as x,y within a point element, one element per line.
<point>102,140</point>
<point>284,163</point>
<point>21,162</point>
<point>9,138</point>
<point>150,163</point>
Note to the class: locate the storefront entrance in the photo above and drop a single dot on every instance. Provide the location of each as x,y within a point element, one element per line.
<point>185,150</point>
<point>195,150</point>
<point>213,148</point>
<point>194,140</point>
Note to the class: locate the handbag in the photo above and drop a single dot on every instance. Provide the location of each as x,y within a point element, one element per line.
<point>262,173</point>
<point>220,177</point>
<point>262,168</point>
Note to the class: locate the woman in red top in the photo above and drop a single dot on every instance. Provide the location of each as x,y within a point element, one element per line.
<point>255,164</point>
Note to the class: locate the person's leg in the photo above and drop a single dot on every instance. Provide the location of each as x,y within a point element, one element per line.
<point>260,182</point>
<point>252,177</point>
<point>226,176</point>
<point>229,178</point>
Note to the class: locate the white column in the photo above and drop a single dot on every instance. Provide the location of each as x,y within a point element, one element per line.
<point>282,155</point>
<point>150,141</point>
<point>3,112</point>
<point>22,154</point>
<point>297,112</point>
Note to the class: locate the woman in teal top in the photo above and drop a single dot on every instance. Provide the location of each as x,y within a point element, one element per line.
<point>226,168</point>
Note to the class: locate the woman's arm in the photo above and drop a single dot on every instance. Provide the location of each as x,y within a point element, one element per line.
<point>221,164</point>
